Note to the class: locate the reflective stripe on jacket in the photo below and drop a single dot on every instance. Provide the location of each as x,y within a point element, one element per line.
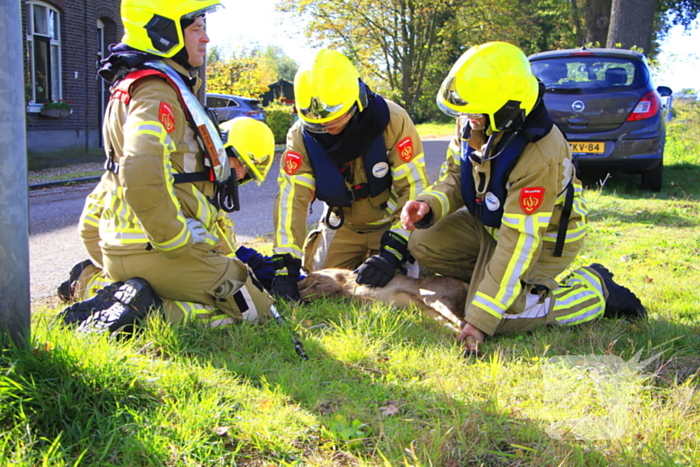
<point>544,168</point>
<point>150,139</point>
<point>298,182</point>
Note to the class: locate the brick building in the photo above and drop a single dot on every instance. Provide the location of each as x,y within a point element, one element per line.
<point>63,41</point>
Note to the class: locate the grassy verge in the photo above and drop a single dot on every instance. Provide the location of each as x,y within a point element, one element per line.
<point>63,158</point>
<point>35,177</point>
<point>427,130</point>
<point>388,387</point>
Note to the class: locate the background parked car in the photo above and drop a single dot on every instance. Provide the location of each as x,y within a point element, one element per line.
<point>227,107</point>
<point>605,102</point>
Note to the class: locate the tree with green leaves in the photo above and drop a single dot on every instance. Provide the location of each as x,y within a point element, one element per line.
<point>281,65</point>
<point>240,76</point>
<point>388,40</point>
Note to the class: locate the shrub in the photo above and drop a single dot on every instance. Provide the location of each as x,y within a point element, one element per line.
<point>280,118</point>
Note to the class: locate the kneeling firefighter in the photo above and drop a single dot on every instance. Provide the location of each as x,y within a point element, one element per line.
<point>155,221</point>
<point>252,143</point>
<point>361,155</point>
<point>525,218</point>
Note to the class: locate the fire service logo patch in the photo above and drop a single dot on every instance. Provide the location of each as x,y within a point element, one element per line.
<point>531,199</point>
<point>405,148</point>
<point>166,117</point>
<point>292,162</point>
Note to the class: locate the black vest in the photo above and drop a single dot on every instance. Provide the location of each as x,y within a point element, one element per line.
<point>509,150</point>
<point>330,183</point>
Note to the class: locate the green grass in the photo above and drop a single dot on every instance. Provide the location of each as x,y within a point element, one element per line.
<point>435,129</point>
<point>32,179</point>
<point>63,158</point>
<point>388,387</point>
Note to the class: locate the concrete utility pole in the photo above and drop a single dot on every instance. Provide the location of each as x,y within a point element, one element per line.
<point>14,210</point>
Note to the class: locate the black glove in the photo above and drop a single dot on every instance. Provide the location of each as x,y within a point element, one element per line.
<point>286,276</point>
<point>261,265</point>
<point>379,269</point>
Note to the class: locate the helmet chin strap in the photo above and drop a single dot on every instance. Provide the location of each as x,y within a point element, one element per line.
<point>490,143</point>
<point>183,58</point>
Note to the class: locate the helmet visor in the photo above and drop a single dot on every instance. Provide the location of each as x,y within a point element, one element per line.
<point>329,126</point>
<point>256,166</point>
<point>447,110</point>
<point>448,98</point>
<point>196,14</point>
<point>448,90</point>
<point>319,110</point>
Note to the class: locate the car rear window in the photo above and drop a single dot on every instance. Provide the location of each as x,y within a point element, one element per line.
<point>217,102</point>
<point>590,74</point>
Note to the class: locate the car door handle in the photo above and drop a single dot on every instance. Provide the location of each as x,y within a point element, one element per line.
<point>578,121</point>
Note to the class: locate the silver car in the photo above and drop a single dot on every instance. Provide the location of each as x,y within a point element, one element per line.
<point>606,104</point>
<point>228,107</point>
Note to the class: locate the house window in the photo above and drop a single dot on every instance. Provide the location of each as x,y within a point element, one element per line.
<point>43,54</point>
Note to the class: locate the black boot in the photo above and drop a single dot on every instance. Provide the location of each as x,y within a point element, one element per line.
<point>66,290</point>
<point>80,311</point>
<point>133,300</point>
<point>621,302</point>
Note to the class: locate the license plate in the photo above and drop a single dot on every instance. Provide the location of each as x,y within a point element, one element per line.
<point>587,148</point>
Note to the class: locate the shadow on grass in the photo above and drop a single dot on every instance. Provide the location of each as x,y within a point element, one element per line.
<point>680,181</point>
<point>63,158</point>
<point>48,395</point>
<point>101,414</point>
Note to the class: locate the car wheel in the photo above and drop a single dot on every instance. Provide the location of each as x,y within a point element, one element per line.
<point>653,178</point>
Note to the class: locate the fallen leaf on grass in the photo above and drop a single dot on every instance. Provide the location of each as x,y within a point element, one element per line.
<point>222,430</point>
<point>390,409</point>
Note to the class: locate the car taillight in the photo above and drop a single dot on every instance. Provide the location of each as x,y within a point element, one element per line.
<point>647,107</point>
<point>253,113</point>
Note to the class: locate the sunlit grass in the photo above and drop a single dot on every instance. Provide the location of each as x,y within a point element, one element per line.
<point>386,386</point>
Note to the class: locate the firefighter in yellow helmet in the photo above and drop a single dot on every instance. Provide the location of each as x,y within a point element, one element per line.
<point>358,153</point>
<point>169,174</point>
<point>252,143</point>
<point>525,217</point>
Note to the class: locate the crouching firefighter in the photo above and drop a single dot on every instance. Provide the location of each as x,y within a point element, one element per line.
<point>361,155</point>
<point>155,221</point>
<point>525,218</point>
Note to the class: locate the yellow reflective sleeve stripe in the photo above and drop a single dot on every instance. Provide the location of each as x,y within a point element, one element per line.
<point>486,303</point>
<point>582,287</point>
<point>451,157</point>
<point>580,228</point>
<point>528,228</point>
<point>382,221</point>
<point>285,235</point>
<point>94,208</point>
<point>180,240</point>
<point>414,171</point>
<point>91,220</point>
<point>206,212</point>
<point>304,180</point>
<point>441,198</point>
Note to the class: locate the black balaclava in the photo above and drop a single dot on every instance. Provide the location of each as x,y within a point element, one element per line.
<point>182,57</point>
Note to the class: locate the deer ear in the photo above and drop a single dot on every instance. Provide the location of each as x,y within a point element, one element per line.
<point>329,285</point>
<point>340,278</point>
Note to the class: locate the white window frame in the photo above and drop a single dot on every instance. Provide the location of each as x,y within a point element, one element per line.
<point>53,34</point>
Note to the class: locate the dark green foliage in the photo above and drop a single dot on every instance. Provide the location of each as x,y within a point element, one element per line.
<point>279,118</point>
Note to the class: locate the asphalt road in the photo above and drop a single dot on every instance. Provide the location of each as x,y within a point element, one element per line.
<point>54,245</point>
